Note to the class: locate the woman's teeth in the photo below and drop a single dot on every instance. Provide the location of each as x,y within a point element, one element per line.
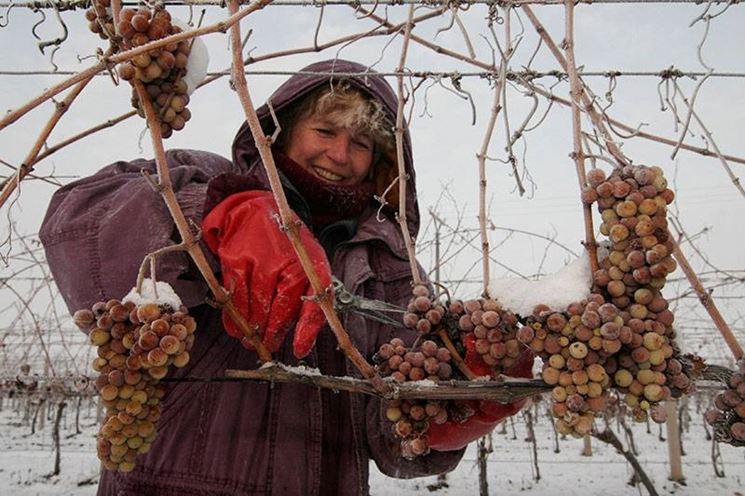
<point>329,176</point>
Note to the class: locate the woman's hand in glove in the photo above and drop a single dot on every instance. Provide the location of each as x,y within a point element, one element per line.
<point>453,435</point>
<point>261,268</point>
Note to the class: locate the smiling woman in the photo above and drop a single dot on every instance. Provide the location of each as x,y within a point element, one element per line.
<point>336,161</point>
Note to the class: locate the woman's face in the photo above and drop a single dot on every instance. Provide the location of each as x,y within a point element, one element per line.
<point>334,154</point>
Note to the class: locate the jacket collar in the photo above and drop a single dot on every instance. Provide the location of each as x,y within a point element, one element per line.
<point>370,228</point>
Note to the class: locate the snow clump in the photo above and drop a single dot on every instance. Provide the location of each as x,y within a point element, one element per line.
<point>166,295</point>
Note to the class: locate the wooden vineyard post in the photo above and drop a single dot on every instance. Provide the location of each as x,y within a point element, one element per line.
<point>673,441</point>
<point>587,445</point>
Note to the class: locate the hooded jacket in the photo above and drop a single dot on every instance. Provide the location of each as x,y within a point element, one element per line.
<point>241,438</point>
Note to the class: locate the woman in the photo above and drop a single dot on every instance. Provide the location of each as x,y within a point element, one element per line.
<point>336,155</point>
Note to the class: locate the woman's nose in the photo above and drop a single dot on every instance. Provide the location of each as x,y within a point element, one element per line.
<point>338,149</point>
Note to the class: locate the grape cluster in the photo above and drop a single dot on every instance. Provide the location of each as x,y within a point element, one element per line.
<point>99,19</point>
<point>727,416</point>
<point>492,329</point>
<point>574,346</point>
<point>161,70</point>
<point>481,324</point>
<point>136,345</point>
<point>411,417</point>
<point>430,361</point>
<point>423,314</point>
<point>633,204</point>
<point>479,329</point>
<point>621,336</point>
<point>411,420</point>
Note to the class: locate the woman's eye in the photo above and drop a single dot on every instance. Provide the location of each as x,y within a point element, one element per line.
<point>324,131</point>
<point>364,144</point>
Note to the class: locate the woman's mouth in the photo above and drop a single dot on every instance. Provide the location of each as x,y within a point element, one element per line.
<point>327,175</point>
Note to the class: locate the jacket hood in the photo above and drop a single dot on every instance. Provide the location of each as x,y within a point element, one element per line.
<point>246,156</point>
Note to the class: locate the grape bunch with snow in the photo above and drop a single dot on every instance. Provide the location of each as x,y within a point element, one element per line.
<point>169,73</point>
<point>594,332</point>
<point>137,340</point>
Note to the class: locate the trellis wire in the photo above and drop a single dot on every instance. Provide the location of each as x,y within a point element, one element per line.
<point>75,4</point>
<point>663,74</point>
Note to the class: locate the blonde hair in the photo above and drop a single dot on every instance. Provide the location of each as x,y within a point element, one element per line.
<point>345,107</point>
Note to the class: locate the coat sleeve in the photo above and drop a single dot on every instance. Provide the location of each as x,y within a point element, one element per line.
<point>98,230</point>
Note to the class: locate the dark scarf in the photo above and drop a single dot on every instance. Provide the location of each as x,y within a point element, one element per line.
<point>328,202</point>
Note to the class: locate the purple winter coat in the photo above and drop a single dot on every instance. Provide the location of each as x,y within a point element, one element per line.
<point>243,438</point>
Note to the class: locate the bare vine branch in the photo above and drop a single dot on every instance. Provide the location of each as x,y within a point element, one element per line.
<point>193,248</point>
<point>505,390</point>
<point>710,139</point>
<point>481,156</point>
<point>109,60</point>
<point>11,184</point>
<point>577,95</point>
<point>589,105</point>
<point>403,177</point>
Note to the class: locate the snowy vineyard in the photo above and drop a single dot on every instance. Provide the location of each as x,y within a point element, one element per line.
<point>511,106</point>
<point>48,440</point>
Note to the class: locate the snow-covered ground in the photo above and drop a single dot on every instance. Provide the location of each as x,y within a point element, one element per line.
<point>26,461</point>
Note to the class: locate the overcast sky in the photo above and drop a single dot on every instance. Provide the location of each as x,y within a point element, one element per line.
<point>618,37</point>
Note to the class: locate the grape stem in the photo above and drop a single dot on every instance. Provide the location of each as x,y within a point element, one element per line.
<point>149,261</point>
<point>116,8</point>
<point>459,362</point>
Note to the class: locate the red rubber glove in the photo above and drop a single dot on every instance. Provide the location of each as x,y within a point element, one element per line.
<point>261,268</point>
<point>453,435</point>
